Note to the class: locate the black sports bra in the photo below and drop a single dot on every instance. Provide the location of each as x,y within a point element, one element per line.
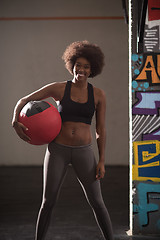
<point>74,111</point>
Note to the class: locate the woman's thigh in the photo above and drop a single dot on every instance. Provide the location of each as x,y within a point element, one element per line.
<point>84,164</point>
<point>55,166</point>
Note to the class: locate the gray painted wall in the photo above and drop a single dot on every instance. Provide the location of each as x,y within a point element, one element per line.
<point>31,57</point>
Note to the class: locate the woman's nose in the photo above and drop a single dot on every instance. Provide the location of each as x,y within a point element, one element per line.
<point>81,68</point>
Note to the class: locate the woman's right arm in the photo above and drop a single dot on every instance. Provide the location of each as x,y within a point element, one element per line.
<point>52,90</point>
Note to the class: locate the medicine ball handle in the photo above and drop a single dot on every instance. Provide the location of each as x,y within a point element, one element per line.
<point>38,108</point>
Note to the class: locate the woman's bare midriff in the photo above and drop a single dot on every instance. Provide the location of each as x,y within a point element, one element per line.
<point>74,134</point>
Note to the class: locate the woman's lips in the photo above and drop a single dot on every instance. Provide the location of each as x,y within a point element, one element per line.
<point>81,74</point>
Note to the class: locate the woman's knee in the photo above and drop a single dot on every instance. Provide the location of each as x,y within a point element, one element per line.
<point>95,199</point>
<point>97,203</point>
<point>49,203</point>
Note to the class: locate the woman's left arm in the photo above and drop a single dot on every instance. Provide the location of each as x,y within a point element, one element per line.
<point>101,133</point>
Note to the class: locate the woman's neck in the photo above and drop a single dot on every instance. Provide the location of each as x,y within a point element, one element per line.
<point>80,84</point>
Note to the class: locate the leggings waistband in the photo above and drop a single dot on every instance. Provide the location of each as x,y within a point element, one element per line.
<point>71,147</point>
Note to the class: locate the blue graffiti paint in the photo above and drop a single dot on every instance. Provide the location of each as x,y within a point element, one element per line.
<point>134,57</point>
<point>158,224</point>
<point>136,71</point>
<point>134,84</point>
<point>150,148</point>
<point>148,103</point>
<point>152,172</point>
<point>146,84</point>
<point>144,207</point>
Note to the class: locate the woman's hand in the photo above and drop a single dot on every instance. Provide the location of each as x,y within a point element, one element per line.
<point>20,128</point>
<point>100,171</point>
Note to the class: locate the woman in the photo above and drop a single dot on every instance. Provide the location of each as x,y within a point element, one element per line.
<point>77,101</point>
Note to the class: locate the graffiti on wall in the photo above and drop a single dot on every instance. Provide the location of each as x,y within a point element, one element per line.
<point>146,120</point>
<point>146,106</point>
<point>150,69</point>
<point>146,179</point>
<point>152,27</point>
<point>146,142</point>
<point>146,68</point>
<point>148,205</point>
<point>146,161</point>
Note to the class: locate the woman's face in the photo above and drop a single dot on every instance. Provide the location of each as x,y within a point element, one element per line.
<point>82,69</point>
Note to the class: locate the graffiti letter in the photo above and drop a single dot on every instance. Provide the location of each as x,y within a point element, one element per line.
<point>147,161</point>
<point>149,72</point>
<point>144,207</point>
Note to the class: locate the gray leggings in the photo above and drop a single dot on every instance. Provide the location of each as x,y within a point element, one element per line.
<point>56,162</point>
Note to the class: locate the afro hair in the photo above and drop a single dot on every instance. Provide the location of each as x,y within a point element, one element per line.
<point>86,50</point>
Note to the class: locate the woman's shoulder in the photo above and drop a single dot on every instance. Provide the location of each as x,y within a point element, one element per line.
<point>98,92</point>
<point>57,89</point>
<point>100,98</point>
<point>59,84</point>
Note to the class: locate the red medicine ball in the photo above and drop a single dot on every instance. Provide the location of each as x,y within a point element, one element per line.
<point>42,120</point>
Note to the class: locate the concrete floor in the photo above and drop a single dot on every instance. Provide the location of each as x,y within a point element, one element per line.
<point>20,197</point>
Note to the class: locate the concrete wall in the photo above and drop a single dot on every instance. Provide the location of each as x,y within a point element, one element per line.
<point>31,51</point>
<point>146,126</point>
